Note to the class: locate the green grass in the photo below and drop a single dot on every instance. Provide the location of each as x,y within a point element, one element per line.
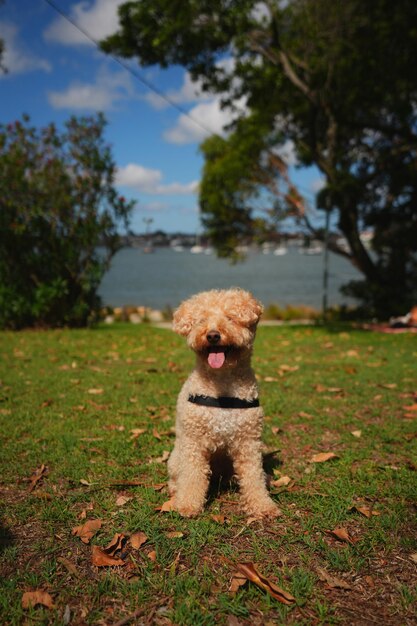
<point>69,399</point>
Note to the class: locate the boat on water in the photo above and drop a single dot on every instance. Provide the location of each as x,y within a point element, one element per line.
<point>280,251</point>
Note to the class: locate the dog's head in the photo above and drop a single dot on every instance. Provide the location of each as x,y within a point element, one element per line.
<point>220,325</point>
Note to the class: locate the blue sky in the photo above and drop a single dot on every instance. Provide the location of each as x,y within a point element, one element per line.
<point>55,72</point>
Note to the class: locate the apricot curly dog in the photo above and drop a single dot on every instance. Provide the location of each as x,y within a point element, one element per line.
<point>218,411</point>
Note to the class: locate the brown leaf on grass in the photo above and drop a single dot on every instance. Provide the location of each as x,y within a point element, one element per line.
<point>83,513</point>
<point>166,507</point>
<point>116,544</point>
<point>37,475</point>
<point>367,511</point>
<point>152,556</point>
<point>118,427</point>
<point>95,391</point>
<point>322,457</point>
<point>410,407</point>
<point>342,534</point>
<point>100,558</point>
<point>332,581</point>
<point>305,415</point>
<point>413,557</point>
<point>283,481</point>
<point>322,389</point>
<point>86,531</point>
<point>69,566</point>
<point>137,539</point>
<point>356,433</point>
<point>136,432</point>
<point>219,519</point>
<point>174,534</point>
<point>388,385</point>
<point>238,580</point>
<point>250,571</point>
<point>162,459</point>
<point>33,598</point>
<point>121,500</point>
<point>156,434</point>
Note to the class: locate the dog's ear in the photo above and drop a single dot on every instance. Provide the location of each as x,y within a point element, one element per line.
<point>183,319</point>
<point>246,309</point>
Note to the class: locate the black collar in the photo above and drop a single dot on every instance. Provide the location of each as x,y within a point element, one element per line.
<point>224,402</point>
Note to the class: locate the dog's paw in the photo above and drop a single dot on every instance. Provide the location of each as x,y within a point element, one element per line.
<point>266,511</point>
<point>186,510</point>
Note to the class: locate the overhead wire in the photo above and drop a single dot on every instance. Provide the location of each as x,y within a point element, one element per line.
<point>146,82</point>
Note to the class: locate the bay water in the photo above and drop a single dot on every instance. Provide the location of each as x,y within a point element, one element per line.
<point>166,277</point>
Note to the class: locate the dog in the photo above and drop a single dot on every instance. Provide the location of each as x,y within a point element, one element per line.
<point>218,410</point>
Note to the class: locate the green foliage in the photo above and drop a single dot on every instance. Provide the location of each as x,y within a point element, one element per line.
<point>58,221</point>
<point>338,81</point>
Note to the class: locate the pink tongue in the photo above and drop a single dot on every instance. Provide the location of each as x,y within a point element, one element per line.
<point>216,359</point>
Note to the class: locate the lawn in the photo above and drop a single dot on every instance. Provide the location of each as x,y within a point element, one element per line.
<point>86,420</point>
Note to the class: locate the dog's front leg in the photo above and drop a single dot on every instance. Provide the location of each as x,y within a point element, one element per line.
<point>247,463</point>
<point>190,477</point>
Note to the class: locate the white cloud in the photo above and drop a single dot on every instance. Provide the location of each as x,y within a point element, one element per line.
<point>16,58</point>
<point>287,153</point>
<point>317,185</point>
<point>98,18</point>
<point>204,119</point>
<point>149,181</point>
<point>190,91</point>
<point>108,89</point>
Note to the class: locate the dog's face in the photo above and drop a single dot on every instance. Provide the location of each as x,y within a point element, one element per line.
<point>220,325</point>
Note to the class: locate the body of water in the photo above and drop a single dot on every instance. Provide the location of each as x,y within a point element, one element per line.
<point>166,277</point>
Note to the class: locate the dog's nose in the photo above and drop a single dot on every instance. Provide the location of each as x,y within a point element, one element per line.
<point>213,336</point>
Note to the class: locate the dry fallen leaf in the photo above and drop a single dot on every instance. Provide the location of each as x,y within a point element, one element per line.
<point>122,500</point>
<point>410,407</point>
<point>37,475</point>
<point>33,598</point>
<point>69,566</point>
<point>305,415</point>
<point>175,534</point>
<point>136,432</point>
<point>356,433</point>
<point>238,580</point>
<point>413,557</point>
<point>322,457</point>
<point>152,556</point>
<point>100,558</point>
<point>86,531</point>
<point>220,518</point>
<point>115,544</point>
<point>281,482</point>
<point>332,581</point>
<point>95,392</point>
<point>166,507</point>
<point>365,510</point>
<point>250,571</point>
<point>162,459</point>
<point>342,534</point>
<point>138,539</point>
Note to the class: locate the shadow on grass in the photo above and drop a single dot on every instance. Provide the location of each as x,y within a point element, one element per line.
<point>6,538</point>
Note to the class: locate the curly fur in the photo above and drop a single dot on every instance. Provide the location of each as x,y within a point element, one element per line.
<point>221,322</point>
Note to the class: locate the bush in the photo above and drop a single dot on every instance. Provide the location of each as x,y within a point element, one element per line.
<point>59,219</point>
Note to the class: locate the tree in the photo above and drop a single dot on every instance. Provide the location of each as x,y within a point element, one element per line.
<point>336,79</point>
<point>59,220</point>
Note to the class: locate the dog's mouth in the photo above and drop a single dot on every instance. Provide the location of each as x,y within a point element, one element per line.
<point>216,356</point>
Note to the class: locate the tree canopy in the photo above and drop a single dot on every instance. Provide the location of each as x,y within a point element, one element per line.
<point>337,80</point>
<point>59,220</point>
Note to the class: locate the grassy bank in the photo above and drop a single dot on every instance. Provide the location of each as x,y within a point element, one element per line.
<point>85,426</point>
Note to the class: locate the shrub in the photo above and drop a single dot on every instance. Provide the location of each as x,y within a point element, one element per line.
<point>59,219</point>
